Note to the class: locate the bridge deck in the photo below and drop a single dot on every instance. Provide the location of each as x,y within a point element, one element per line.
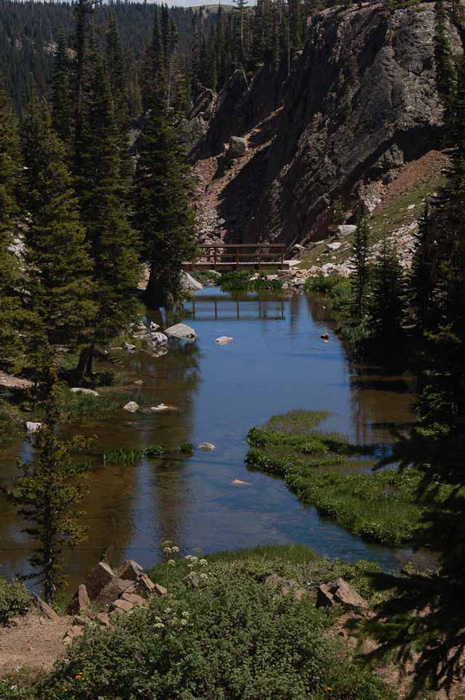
<point>239,256</point>
<point>241,265</point>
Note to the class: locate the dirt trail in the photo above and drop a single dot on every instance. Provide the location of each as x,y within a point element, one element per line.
<point>31,642</point>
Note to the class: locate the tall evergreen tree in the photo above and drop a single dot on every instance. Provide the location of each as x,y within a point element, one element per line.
<point>386,306</point>
<point>421,282</point>
<point>163,213</point>
<point>10,169</point>
<point>119,87</point>
<point>359,277</point>
<point>59,280</point>
<point>113,243</point>
<point>241,8</point>
<point>61,93</point>
<point>47,494</point>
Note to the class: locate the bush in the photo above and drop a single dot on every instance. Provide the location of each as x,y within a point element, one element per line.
<point>15,600</point>
<point>240,281</point>
<point>336,289</point>
<point>231,639</point>
<point>11,422</point>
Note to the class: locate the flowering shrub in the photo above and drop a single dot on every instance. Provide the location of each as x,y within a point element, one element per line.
<point>14,600</point>
<point>230,639</point>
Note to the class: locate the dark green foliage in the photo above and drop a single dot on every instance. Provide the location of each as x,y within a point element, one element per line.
<point>11,316</point>
<point>163,216</point>
<point>421,278</point>
<point>153,451</point>
<point>117,74</point>
<point>11,422</point>
<point>337,289</point>
<point>187,449</point>
<point>113,242</point>
<point>47,493</point>
<point>387,297</point>
<point>428,616</point>
<point>121,456</point>
<point>359,278</point>
<point>15,600</point>
<point>239,281</point>
<point>59,281</point>
<point>62,93</point>
<point>231,638</point>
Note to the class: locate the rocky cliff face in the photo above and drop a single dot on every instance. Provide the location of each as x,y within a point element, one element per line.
<point>360,103</point>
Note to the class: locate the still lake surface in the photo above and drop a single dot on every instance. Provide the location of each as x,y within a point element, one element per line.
<point>276,362</point>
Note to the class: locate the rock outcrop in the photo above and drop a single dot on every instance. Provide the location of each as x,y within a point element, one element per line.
<point>360,103</point>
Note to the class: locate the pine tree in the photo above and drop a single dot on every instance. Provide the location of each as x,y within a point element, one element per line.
<point>386,307</point>
<point>59,278</point>
<point>359,277</point>
<point>47,494</point>
<point>83,10</point>
<point>119,86</point>
<point>163,216</point>
<point>11,313</point>
<point>113,243</point>
<point>241,6</point>
<point>421,282</point>
<point>61,93</point>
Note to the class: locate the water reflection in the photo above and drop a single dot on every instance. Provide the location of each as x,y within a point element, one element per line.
<point>276,362</point>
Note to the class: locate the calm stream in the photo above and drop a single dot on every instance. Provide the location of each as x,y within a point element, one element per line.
<point>275,363</point>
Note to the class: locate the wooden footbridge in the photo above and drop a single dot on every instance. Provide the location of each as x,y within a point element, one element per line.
<point>239,256</point>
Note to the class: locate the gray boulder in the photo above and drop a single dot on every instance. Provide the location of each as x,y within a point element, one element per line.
<point>181,330</point>
<point>345,230</point>
<point>340,593</point>
<point>237,147</point>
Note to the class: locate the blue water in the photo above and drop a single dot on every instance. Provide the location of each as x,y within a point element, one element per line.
<point>276,362</point>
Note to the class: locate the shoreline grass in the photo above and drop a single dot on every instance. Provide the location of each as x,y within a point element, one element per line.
<point>323,470</point>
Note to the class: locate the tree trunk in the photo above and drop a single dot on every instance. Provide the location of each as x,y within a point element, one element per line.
<point>156,295</point>
<point>86,358</point>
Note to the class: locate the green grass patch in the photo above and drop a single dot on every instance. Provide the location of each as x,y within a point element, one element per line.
<point>187,449</point>
<point>335,289</point>
<point>153,451</point>
<point>324,470</point>
<point>230,638</point>
<point>87,406</point>
<point>401,211</point>
<point>122,457</point>
<point>240,281</point>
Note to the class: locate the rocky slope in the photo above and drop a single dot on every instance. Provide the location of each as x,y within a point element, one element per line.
<point>360,104</point>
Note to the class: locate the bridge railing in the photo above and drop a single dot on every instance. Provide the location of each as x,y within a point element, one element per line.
<point>237,255</point>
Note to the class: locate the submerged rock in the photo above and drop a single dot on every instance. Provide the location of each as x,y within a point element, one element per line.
<point>223,340</point>
<point>162,407</point>
<point>207,446</point>
<point>131,406</point>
